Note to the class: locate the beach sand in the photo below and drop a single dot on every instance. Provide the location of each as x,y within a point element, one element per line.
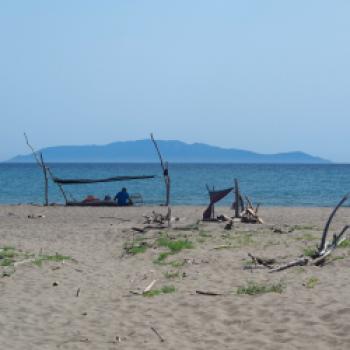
<point>92,301</point>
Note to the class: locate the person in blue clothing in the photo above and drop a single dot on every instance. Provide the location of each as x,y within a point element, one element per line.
<point>122,197</point>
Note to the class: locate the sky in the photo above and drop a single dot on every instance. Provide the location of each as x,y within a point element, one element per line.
<point>268,76</point>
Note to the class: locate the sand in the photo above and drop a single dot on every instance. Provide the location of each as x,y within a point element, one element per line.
<point>91,301</point>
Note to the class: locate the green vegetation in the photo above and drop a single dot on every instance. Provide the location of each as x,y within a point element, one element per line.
<point>55,258</point>
<point>174,247</point>
<point>172,274</point>
<point>310,251</point>
<point>161,258</point>
<point>135,248</point>
<point>7,255</point>
<point>345,243</point>
<point>253,288</point>
<point>163,290</point>
<point>7,262</point>
<point>177,263</point>
<point>311,282</point>
<point>7,251</point>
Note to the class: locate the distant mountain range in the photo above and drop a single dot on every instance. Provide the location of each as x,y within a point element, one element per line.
<point>172,151</point>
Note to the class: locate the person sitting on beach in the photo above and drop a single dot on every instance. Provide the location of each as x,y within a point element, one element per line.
<point>122,197</point>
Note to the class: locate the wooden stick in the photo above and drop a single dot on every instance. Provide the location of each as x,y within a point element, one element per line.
<point>165,168</point>
<point>150,286</point>
<point>41,164</point>
<point>250,205</point>
<point>158,335</point>
<point>237,199</point>
<point>208,293</point>
<point>45,180</point>
<point>299,262</point>
<point>261,261</point>
<point>329,221</point>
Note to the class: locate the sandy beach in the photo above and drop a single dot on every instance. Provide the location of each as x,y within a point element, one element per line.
<point>90,295</point>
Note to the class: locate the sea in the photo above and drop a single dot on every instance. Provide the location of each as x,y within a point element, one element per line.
<point>268,184</point>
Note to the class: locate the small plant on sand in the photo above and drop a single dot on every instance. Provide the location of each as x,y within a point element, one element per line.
<point>161,258</point>
<point>163,290</point>
<point>7,262</point>
<point>177,263</point>
<point>7,251</point>
<point>7,255</point>
<point>174,246</point>
<point>253,288</point>
<point>135,248</point>
<point>310,251</point>
<point>345,243</point>
<point>311,282</point>
<point>54,258</point>
<point>172,274</point>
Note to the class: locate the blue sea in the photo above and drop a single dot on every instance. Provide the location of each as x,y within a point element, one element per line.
<point>270,185</point>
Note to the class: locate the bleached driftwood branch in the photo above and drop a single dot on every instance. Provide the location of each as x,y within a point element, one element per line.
<point>324,250</point>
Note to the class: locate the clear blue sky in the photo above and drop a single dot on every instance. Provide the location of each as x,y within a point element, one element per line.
<point>262,75</point>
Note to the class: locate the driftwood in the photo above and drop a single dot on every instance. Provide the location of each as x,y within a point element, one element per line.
<point>158,335</point>
<point>229,225</point>
<point>324,250</point>
<point>262,261</point>
<point>150,286</point>
<point>298,262</point>
<point>203,292</point>
<point>41,164</point>
<point>249,215</point>
<point>165,168</point>
<point>237,202</point>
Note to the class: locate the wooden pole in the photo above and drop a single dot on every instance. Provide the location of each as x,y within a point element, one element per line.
<point>59,185</point>
<point>43,166</point>
<point>165,168</point>
<point>237,200</point>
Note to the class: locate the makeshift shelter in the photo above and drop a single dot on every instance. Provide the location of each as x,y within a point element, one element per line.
<point>90,200</point>
<point>214,197</point>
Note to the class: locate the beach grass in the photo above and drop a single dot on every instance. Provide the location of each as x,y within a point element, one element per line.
<point>174,245</point>
<point>254,288</point>
<point>312,282</point>
<point>310,251</point>
<point>53,258</point>
<point>164,290</point>
<point>345,243</point>
<point>172,274</point>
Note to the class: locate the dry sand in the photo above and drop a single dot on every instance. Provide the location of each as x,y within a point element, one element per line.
<point>35,314</point>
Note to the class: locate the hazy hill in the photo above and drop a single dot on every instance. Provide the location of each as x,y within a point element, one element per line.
<point>173,151</point>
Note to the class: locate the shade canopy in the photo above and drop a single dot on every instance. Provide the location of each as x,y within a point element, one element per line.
<point>108,179</point>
